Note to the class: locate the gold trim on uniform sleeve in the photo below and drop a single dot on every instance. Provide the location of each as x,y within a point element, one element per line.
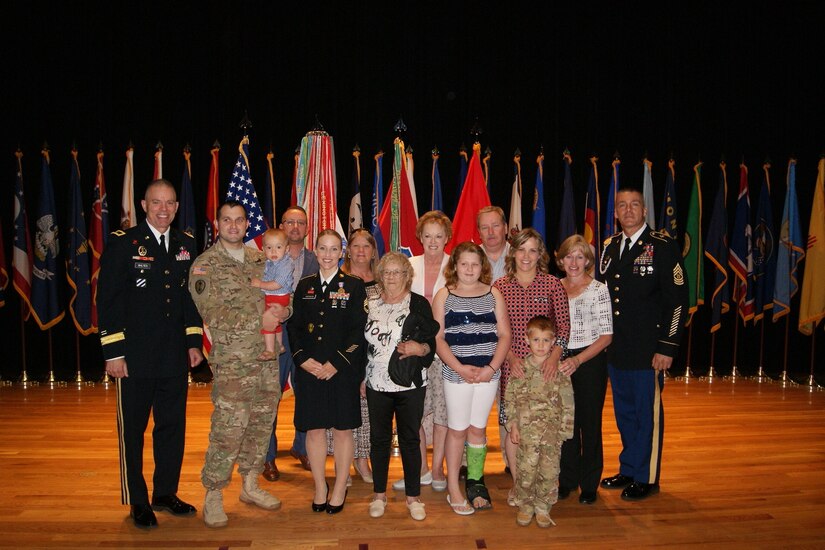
<point>112,338</point>
<point>194,330</point>
<point>674,324</point>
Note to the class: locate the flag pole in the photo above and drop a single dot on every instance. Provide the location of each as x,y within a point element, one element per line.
<point>760,372</point>
<point>734,372</point>
<point>78,379</point>
<point>24,377</point>
<point>812,385</point>
<point>51,380</point>
<point>688,373</point>
<point>712,353</point>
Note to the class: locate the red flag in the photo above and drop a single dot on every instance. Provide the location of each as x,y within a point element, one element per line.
<point>98,231</point>
<point>21,261</point>
<point>210,230</point>
<point>474,197</point>
<point>398,215</point>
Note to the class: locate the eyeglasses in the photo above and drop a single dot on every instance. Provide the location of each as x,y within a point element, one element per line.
<point>295,222</point>
<point>394,272</point>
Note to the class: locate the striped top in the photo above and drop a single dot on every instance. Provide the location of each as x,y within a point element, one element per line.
<point>470,331</point>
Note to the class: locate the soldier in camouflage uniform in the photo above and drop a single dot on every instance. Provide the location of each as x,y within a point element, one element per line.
<point>540,419</point>
<point>245,391</point>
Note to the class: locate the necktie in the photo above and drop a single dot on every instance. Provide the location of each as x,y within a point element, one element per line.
<point>626,247</point>
<point>323,288</point>
<point>163,243</point>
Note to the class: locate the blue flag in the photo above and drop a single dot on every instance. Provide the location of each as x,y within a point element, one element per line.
<point>186,211</point>
<point>764,250</point>
<point>567,216</point>
<point>790,251</point>
<point>45,301</point>
<point>716,251</point>
<point>667,216</point>
<point>437,201</point>
<point>610,226</point>
<point>77,256</point>
<point>539,222</point>
<point>242,190</point>
<point>378,203</point>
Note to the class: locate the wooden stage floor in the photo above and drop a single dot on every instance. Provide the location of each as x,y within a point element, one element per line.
<point>744,466</point>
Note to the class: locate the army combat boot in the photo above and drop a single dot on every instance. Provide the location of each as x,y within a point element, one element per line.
<point>213,514</point>
<point>252,494</point>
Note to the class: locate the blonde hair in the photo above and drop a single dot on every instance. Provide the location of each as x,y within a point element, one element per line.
<point>571,243</point>
<point>488,209</point>
<point>434,216</point>
<point>540,323</point>
<point>274,233</point>
<point>519,239</point>
<point>450,273</point>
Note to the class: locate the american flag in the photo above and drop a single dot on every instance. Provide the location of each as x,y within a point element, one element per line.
<point>242,190</point>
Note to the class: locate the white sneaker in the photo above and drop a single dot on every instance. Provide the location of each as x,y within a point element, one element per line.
<point>426,479</point>
<point>417,510</point>
<point>377,507</point>
<point>213,514</point>
<point>252,494</point>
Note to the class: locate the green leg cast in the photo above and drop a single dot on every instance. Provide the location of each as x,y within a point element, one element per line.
<point>476,454</point>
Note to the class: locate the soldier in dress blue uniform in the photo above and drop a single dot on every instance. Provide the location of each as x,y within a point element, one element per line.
<point>644,274</point>
<point>143,300</point>
<point>326,333</point>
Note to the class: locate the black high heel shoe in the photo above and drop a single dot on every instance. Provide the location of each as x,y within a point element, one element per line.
<point>331,509</point>
<point>323,506</point>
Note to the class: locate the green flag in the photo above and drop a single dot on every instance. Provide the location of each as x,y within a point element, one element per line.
<point>692,253</point>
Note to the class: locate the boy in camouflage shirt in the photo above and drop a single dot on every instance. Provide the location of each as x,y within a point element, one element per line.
<point>540,419</point>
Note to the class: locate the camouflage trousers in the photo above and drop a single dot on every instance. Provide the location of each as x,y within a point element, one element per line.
<point>537,470</point>
<point>245,397</point>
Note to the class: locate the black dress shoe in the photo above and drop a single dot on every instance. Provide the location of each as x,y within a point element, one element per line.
<point>587,497</point>
<point>564,492</point>
<point>332,509</point>
<point>173,505</point>
<point>639,491</point>
<point>323,506</point>
<point>143,516</point>
<point>618,481</point>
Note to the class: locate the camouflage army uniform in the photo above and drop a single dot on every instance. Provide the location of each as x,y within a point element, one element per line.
<point>543,412</point>
<point>245,392</point>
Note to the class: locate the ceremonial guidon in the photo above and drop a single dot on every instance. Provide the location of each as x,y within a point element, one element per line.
<point>649,298</point>
<point>146,315</point>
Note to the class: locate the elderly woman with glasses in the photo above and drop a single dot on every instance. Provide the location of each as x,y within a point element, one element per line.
<point>400,334</point>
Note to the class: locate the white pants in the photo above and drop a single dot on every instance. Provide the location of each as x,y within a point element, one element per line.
<point>469,404</point>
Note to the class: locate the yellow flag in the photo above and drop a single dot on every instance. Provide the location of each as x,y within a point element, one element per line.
<point>812,306</point>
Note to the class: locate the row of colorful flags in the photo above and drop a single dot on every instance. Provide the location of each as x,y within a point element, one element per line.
<point>752,271</point>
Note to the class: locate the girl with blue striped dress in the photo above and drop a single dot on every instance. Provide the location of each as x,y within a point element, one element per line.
<point>472,343</point>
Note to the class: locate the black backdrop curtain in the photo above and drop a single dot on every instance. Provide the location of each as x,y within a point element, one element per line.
<point>740,80</point>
